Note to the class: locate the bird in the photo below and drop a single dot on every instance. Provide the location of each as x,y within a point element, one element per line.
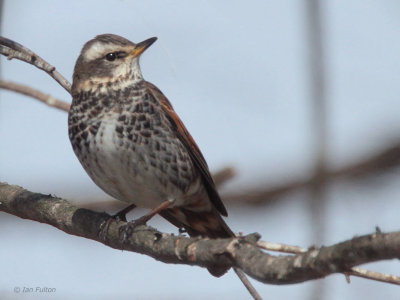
<point>133,145</point>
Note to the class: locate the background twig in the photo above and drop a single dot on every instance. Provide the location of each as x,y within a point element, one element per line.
<point>34,93</point>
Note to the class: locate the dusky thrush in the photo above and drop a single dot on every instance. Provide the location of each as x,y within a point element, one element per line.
<point>134,146</point>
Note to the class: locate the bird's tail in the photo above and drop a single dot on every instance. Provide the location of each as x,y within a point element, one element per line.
<point>207,223</point>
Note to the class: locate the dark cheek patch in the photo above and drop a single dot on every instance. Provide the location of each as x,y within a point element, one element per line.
<point>100,68</point>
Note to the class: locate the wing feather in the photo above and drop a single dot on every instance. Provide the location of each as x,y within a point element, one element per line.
<point>191,146</point>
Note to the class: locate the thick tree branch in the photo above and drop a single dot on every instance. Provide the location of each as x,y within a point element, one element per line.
<point>241,252</point>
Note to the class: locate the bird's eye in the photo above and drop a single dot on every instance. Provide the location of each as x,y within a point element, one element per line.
<point>111,56</point>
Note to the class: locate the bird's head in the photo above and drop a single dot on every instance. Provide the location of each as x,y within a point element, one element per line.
<point>108,60</point>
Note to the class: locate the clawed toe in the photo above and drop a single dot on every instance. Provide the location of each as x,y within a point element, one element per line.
<point>106,224</point>
<point>127,229</point>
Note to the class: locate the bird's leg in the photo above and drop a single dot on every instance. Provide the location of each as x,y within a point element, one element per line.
<point>130,226</point>
<point>119,216</point>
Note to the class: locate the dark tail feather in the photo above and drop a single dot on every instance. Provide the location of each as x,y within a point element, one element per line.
<point>206,223</point>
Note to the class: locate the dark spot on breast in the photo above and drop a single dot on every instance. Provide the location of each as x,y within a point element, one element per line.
<point>138,127</point>
<point>94,128</point>
<point>122,118</point>
<point>146,133</point>
<point>94,112</point>
<point>150,110</point>
<point>157,145</point>
<point>84,135</point>
<point>120,130</point>
<point>74,130</point>
<point>82,126</point>
<point>106,102</point>
<point>126,92</point>
<point>138,108</point>
<point>132,120</point>
<point>94,101</point>
<point>146,124</point>
<point>129,129</point>
<point>142,118</point>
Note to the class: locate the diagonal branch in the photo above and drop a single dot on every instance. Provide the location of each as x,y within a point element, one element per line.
<point>383,161</point>
<point>241,252</point>
<point>34,93</point>
<point>13,49</point>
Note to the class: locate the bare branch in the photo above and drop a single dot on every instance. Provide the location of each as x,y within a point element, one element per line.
<point>12,50</point>
<point>385,160</point>
<point>222,176</point>
<point>387,278</point>
<point>354,271</point>
<point>240,252</point>
<point>28,91</point>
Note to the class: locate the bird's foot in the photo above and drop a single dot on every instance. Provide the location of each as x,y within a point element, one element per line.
<point>127,229</point>
<point>118,217</point>
<point>182,230</point>
<point>106,225</point>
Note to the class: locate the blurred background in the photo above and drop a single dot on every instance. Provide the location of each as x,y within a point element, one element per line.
<point>300,98</point>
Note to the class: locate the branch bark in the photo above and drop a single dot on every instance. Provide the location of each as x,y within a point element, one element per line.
<point>12,49</point>
<point>240,252</point>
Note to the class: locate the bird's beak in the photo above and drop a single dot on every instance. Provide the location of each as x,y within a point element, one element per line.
<point>140,47</point>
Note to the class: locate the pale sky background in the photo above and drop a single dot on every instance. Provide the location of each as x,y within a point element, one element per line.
<point>237,74</point>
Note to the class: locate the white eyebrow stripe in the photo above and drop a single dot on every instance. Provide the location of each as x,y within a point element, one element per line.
<point>97,50</point>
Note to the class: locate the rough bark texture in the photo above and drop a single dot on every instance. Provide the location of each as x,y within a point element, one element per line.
<point>241,252</point>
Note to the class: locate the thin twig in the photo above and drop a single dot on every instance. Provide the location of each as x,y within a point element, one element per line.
<point>243,278</point>
<point>387,278</point>
<point>13,49</point>
<point>34,93</point>
<point>281,247</point>
<point>353,271</point>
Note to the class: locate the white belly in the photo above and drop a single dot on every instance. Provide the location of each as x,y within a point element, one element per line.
<point>127,175</point>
